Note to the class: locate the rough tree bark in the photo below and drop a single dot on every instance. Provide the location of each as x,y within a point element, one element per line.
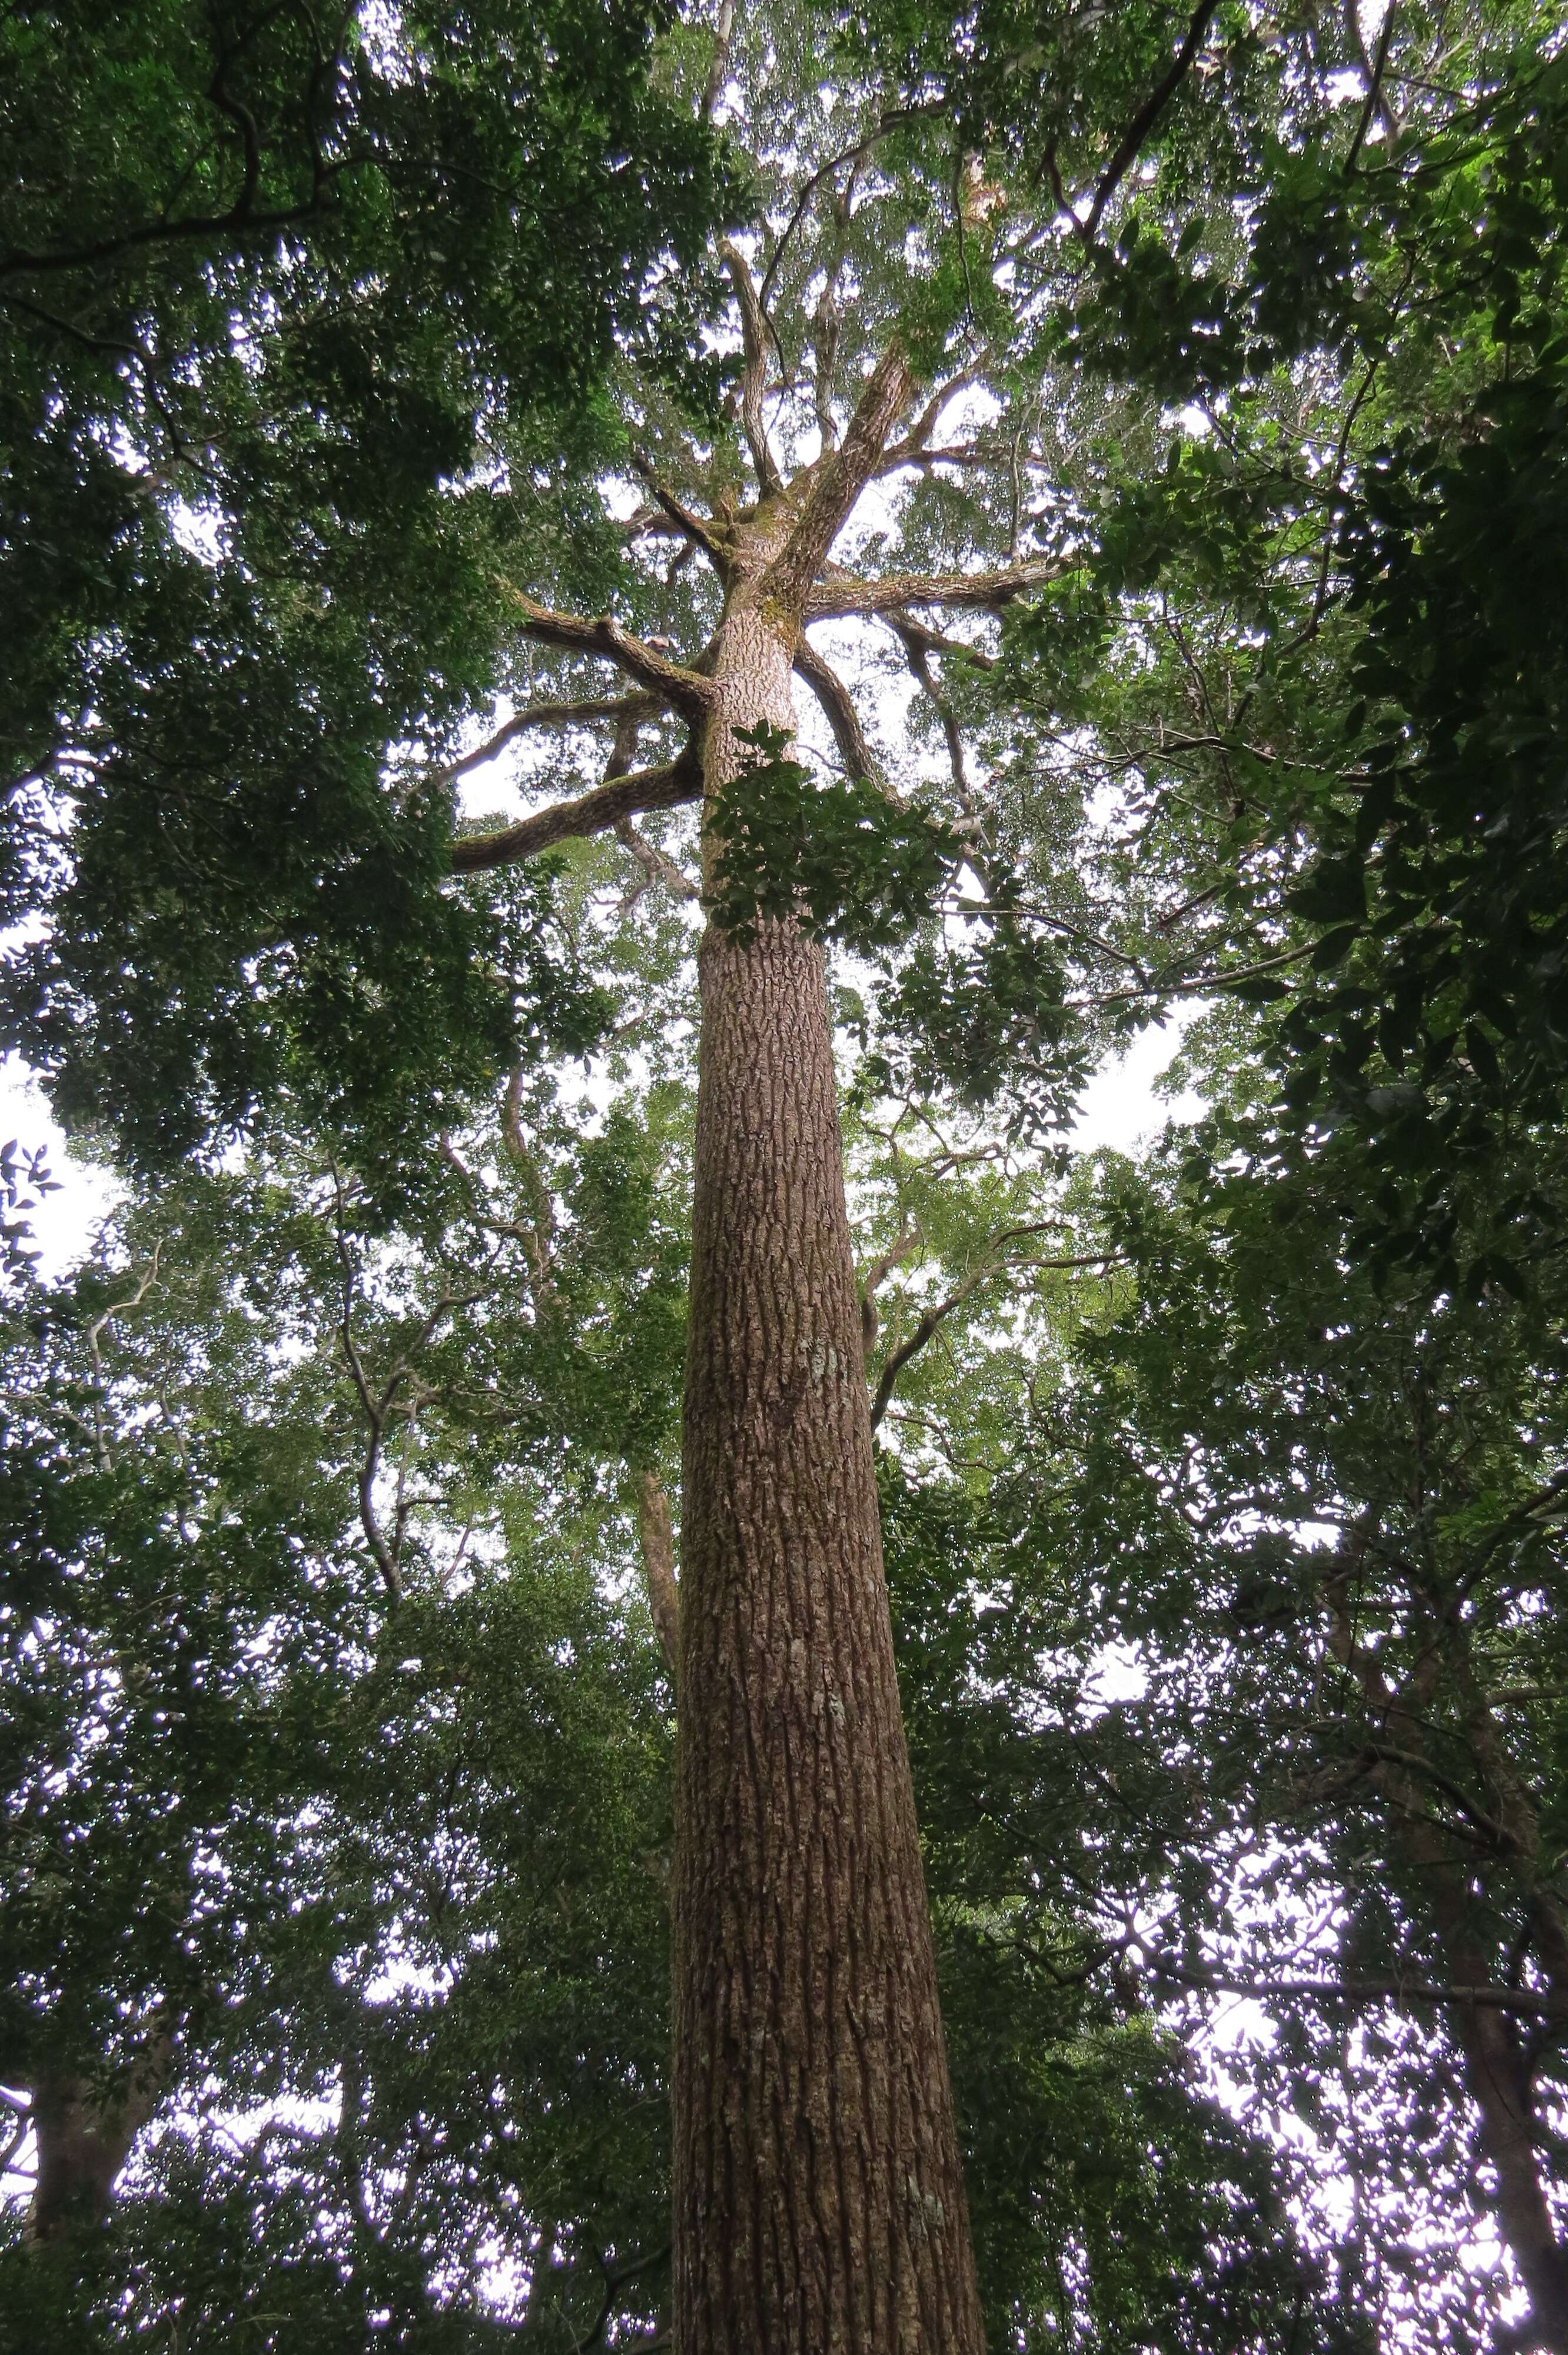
<point>819,2198</point>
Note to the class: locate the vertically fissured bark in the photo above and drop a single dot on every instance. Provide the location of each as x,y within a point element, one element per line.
<point>819,2198</point>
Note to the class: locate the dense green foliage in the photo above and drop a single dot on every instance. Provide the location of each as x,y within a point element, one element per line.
<point>300,315</point>
<point>1346,579</point>
<point>401,1873</point>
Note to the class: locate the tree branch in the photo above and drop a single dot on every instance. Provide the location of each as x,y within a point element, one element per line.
<point>913,641</point>
<point>21,263</point>
<point>645,705</point>
<point>381,1552</point>
<point>876,1275</point>
<point>656,1536</point>
<point>838,706</point>
<point>937,1315</point>
<point>838,479</point>
<point>1357,1991</point>
<point>665,787</point>
<point>754,372</point>
<point>890,121</point>
<point>682,518</point>
<point>686,690</point>
<point>965,454</point>
<point>915,633</point>
<point>1376,103</point>
<point>902,454</point>
<point>655,866</point>
<point>840,595</point>
<point>1148,115</point>
<point>713,90</point>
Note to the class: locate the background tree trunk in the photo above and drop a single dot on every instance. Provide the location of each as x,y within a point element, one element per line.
<point>819,2198</point>
<point>1499,2084</point>
<point>84,2137</point>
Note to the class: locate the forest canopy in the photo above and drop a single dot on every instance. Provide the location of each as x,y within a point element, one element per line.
<point>675,1669</point>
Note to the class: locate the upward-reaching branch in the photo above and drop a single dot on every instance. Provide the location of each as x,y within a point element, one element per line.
<point>1148,115</point>
<point>754,370</point>
<point>936,1315</point>
<point>682,518</point>
<point>892,119</point>
<point>925,425</point>
<point>657,1538</point>
<point>714,89</point>
<point>839,477</point>
<point>825,319</point>
<point>1376,102</point>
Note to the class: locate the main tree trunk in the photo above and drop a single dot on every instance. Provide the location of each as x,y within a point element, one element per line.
<point>819,2198</point>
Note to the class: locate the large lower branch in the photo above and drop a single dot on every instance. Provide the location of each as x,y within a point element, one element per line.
<point>838,479</point>
<point>607,806</point>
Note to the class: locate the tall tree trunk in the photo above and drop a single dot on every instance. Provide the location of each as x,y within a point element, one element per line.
<point>819,2198</point>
